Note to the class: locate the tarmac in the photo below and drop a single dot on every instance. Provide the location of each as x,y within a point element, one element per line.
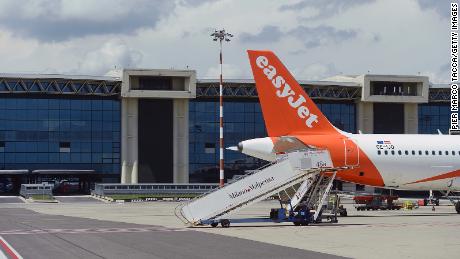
<point>82,227</point>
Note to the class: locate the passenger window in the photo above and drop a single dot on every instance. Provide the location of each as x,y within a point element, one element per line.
<point>386,152</point>
<point>453,153</point>
<point>399,152</point>
<point>447,152</point>
<point>433,152</point>
<point>426,152</point>
<point>406,152</point>
<point>392,152</point>
<point>378,152</point>
<point>440,152</point>
<point>420,152</point>
<point>413,152</point>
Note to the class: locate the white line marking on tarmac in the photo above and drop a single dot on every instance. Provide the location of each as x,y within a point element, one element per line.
<point>6,247</point>
<point>89,231</point>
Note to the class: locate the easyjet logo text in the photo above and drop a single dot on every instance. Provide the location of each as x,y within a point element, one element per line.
<point>284,91</point>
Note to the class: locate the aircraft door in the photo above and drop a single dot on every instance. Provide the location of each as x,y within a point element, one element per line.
<point>351,153</point>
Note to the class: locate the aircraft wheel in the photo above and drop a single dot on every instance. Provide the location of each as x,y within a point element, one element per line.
<point>225,223</point>
<point>457,207</point>
<point>214,224</point>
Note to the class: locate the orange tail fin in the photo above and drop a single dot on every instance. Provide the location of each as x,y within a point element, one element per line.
<point>286,108</point>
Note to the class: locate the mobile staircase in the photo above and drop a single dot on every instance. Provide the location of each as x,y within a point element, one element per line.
<point>307,200</point>
<point>299,172</point>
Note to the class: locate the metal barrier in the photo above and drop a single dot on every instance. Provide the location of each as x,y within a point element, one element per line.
<point>28,190</point>
<point>107,189</point>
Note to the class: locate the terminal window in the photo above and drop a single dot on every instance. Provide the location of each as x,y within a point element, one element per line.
<point>32,129</point>
<point>64,147</point>
<point>155,83</point>
<point>433,116</point>
<point>394,88</point>
<point>210,148</point>
<point>2,146</point>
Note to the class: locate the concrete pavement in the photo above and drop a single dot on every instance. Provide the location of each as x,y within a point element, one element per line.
<point>419,233</point>
<point>36,235</point>
<point>10,199</point>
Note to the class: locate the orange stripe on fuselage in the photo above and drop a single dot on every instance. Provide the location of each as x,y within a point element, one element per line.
<point>335,145</point>
<point>439,177</point>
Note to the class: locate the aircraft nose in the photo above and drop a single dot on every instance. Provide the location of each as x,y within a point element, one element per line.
<point>239,147</point>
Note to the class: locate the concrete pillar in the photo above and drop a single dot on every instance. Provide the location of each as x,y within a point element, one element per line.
<point>124,172</point>
<point>410,118</point>
<point>124,142</point>
<point>135,173</point>
<point>129,142</point>
<point>365,117</point>
<point>180,141</point>
<point>133,117</point>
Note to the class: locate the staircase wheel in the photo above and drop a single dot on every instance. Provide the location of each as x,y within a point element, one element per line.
<point>225,223</point>
<point>214,224</point>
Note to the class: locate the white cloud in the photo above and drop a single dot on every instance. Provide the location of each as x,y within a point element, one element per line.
<point>315,71</point>
<point>112,55</point>
<point>63,20</point>
<point>440,75</point>
<point>412,39</point>
<point>228,71</point>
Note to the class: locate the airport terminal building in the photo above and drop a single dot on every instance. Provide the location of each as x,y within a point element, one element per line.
<point>162,126</point>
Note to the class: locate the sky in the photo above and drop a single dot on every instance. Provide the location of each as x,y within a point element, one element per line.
<point>314,39</point>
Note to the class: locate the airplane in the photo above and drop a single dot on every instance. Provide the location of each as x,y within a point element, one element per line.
<point>393,161</point>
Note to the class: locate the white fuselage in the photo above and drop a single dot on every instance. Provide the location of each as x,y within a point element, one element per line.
<point>410,158</point>
<point>406,162</point>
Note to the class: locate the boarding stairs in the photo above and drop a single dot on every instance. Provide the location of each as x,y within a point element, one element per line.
<point>311,193</point>
<point>289,170</point>
<point>454,198</point>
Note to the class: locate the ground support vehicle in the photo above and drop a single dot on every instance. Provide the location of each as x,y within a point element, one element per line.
<point>376,202</point>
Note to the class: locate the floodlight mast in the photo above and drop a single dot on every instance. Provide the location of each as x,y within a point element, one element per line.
<point>221,35</point>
